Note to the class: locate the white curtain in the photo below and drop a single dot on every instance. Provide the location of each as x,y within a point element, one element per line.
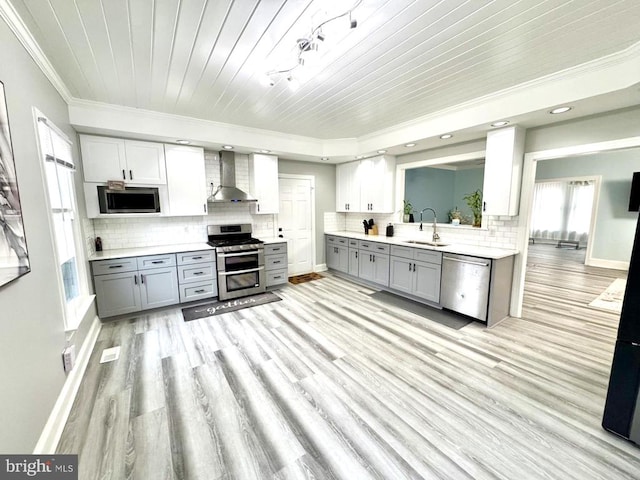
<point>562,210</point>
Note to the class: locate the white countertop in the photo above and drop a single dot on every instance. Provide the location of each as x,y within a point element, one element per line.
<point>156,250</point>
<point>162,249</point>
<point>473,250</point>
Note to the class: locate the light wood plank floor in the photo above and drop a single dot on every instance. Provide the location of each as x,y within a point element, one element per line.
<point>329,384</point>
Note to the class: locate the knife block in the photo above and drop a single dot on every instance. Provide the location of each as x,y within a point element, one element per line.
<point>373,230</point>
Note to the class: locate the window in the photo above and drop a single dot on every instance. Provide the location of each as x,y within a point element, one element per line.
<point>59,170</point>
<point>562,209</point>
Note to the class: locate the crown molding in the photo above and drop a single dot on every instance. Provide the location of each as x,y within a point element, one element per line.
<point>22,33</point>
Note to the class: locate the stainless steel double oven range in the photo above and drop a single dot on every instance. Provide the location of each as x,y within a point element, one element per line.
<point>239,260</point>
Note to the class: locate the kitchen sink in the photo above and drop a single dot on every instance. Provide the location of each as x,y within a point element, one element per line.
<point>425,242</point>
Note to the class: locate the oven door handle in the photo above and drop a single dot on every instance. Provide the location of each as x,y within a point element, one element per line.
<point>240,254</point>
<point>238,272</point>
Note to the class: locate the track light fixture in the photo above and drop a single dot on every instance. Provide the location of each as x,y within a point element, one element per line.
<point>307,50</point>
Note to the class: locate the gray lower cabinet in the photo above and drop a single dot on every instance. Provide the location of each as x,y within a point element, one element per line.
<point>141,283</point>
<point>373,262</point>
<point>197,278</point>
<point>337,254</point>
<point>415,278</point>
<point>416,272</point>
<point>276,263</point>
<point>117,293</point>
<point>158,287</point>
<point>353,257</point>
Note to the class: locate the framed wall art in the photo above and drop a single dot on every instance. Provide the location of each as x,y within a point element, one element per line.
<point>14,257</point>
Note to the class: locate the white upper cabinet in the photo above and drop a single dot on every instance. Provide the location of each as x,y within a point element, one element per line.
<point>377,183</point>
<point>134,161</point>
<point>145,162</point>
<point>347,187</point>
<point>102,158</point>
<point>186,181</point>
<point>263,182</point>
<point>503,171</point>
<point>366,185</point>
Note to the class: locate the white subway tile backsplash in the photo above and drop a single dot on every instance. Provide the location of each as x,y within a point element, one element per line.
<point>497,232</point>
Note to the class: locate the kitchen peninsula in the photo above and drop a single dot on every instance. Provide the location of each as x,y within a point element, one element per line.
<point>472,280</point>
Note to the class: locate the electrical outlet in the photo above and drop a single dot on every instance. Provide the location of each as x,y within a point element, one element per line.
<point>69,358</point>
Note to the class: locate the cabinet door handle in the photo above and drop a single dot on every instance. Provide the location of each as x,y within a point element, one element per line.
<point>276,261</point>
<point>135,279</point>
<point>198,273</point>
<point>156,262</point>
<point>202,290</point>
<point>196,258</point>
<point>124,176</point>
<point>409,267</point>
<point>115,266</point>
<point>414,267</point>
<point>374,259</point>
<point>484,206</point>
<point>204,207</point>
<point>275,249</point>
<point>277,277</point>
<point>142,279</point>
<point>258,205</point>
<point>356,254</point>
<point>130,175</point>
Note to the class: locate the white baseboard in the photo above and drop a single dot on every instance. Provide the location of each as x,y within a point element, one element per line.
<point>602,263</point>
<point>50,436</point>
<point>322,267</point>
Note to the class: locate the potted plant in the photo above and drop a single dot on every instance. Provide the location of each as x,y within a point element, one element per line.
<point>474,201</point>
<point>455,216</point>
<point>407,209</point>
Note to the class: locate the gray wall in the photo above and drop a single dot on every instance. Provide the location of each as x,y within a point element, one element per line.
<point>31,323</point>
<point>325,180</point>
<point>597,128</point>
<point>615,225</point>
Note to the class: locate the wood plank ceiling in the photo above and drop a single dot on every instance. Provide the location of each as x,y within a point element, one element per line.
<point>405,59</point>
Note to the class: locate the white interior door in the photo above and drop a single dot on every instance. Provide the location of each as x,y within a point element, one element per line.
<point>296,221</point>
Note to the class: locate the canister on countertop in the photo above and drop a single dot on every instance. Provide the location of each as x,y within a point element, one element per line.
<point>389,232</point>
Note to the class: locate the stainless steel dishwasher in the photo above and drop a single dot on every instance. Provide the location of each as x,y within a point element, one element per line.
<point>465,285</point>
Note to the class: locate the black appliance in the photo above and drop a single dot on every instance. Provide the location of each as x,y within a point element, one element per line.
<point>634,198</point>
<point>239,260</point>
<point>622,407</point>
<point>129,200</point>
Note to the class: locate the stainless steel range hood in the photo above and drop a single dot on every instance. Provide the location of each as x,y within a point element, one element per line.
<point>227,192</point>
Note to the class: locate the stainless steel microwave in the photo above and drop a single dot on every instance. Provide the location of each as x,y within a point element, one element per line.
<point>129,200</point>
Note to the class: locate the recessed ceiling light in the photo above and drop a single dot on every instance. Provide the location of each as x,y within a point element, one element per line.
<point>324,159</point>
<point>445,136</point>
<point>555,111</point>
<point>227,147</point>
<point>382,151</point>
<point>502,123</point>
<point>265,151</point>
<point>183,142</point>
<point>409,144</point>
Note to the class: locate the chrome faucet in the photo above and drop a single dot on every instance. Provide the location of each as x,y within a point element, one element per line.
<point>435,237</point>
